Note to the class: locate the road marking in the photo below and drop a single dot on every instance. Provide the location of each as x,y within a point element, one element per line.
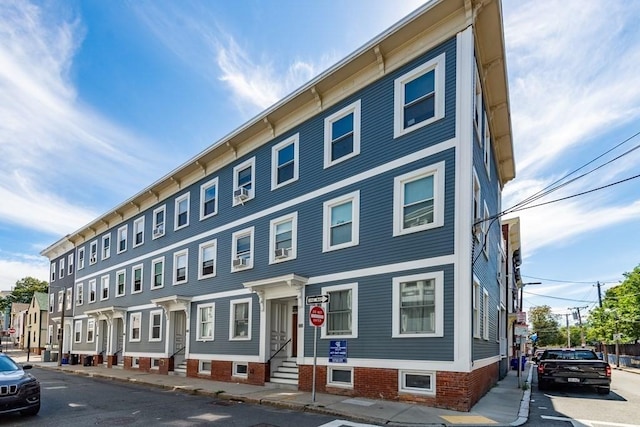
<point>343,423</point>
<point>590,423</point>
<point>55,388</point>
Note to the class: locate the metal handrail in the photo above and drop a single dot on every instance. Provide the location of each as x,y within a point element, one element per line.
<point>279,350</point>
<point>170,357</point>
<point>118,351</point>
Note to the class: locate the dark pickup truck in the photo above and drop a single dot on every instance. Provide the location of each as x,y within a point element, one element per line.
<point>578,367</point>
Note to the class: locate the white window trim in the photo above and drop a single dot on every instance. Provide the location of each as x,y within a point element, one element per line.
<point>354,310</point>
<point>52,302</point>
<point>485,314</point>
<point>437,64</point>
<point>203,188</point>
<point>183,197</point>
<point>153,272</point>
<point>353,197</point>
<point>177,254</point>
<point>53,271</point>
<point>161,231</point>
<point>211,243</point>
<point>137,315</point>
<point>330,383</point>
<point>293,253</point>
<point>199,336</point>
<point>60,299</point>
<point>402,387</point>
<point>201,369</point>
<point>476,308</point>
<point>136,223</point>
<point>232,319</point>
<point>133,278</point>
<point>234,248</point>
<point>102,287</point>
<point>274,161</point>
<point>354,109</point>
<point>438,276</point>
<point>70,263</point>
<point>105,255</point>
<point>151,314</point>
<point>485,230</point>
<point>126,238</point>
<point>69,298</point>
<point>91,327</point>
<point>124,288</point>
<point>486,150</point>
<point>62,267</point>
<point>77,331</point>
<point>79,294</point>
<point>436,170</point>
<point>477,204</point>
<point>92,285</point>
<point>81,258</point>
<point>92,245</point>
<point>250,162</point>
<point>478,104</point>
<point>235,372</point>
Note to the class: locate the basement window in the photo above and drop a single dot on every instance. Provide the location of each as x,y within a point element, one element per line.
<point>418,382</point>
<point>340,377</point>
<point>240,370</point>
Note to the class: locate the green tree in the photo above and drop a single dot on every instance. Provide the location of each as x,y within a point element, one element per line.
<point>23,292</point>
<point>544,322</point>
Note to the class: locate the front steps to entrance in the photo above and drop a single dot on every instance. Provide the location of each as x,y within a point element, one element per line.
<point>286,373</point>
<point>180,370</point>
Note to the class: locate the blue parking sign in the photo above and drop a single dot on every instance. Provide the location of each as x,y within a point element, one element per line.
<point>338,351</point>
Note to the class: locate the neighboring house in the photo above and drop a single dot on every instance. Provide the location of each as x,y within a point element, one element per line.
<point>18,313</point>
<point>60,302</point>
<point>37,320</point>
<point>374,184</point>
<point>512,278</point>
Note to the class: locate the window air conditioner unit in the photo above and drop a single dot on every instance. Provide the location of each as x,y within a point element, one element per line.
<point>240,262</point>
<point>158,230</point>
<point>93,260</point>
<point>282,253</point>
<point>241,194</point>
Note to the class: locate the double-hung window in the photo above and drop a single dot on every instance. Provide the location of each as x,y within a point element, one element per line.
<point>122,238</point>
<point>283,238</point>
<point>69,298</point>
<point>53,271</point>
<point>240,319</point>
<point>134,327</point>
<point>106,246</point>
<point>81,258</point>
<point>341,220</point>
<point>159,215</point>
<point>477,203</point>
<point>342,135</point>
<point>341,311</point>
<point>60,300</point>
<point>242,249</point>
<point>121,280</point>
<point>207,259</point>
<point>284,162</point>
<point>209,199</point>
<point>419,96</point>
<point>104,288</point>
<point>52,302</point>
<point>485,314</point>
<point>205,321</point>
<point>157,271</point>
<point>138,232</point>
<point>62,267</point>
<point>93,252</point>
<point>92,290</point>
<point>79,294</point>
<point>181,214</point>
<point>155,325</point>
<point>77,331</point>
<point>243,181</point>
<point>91,330</point>
<point>136,279</point>
<point>180,267</point>
<point>487,146</point>
<point>418,200</point>
<point>418,309</point>
<point>70,262</point>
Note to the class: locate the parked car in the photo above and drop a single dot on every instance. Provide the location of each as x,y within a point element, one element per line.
<point>579,367</point>
<point>19,390</point>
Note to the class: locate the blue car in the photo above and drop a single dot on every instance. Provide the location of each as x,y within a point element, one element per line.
<point>19,390</point>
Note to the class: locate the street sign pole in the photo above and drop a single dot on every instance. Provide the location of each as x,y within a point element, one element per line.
<point>316,318</point>
<point>315,348</point>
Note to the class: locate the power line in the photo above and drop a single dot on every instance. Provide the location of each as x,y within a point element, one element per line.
<point>560,281</point>
<point>563,299</point>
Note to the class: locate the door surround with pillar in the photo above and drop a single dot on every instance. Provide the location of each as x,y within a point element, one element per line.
<point>177,315</point>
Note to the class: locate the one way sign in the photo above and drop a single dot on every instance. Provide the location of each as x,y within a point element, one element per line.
<point>317,299</point>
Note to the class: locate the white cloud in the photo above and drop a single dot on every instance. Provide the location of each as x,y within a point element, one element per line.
<point>17,266</point>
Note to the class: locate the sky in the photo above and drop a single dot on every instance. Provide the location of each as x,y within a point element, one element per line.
<point>100,99</point>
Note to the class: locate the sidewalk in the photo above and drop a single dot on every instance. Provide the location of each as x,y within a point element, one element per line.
<point>506,404</point>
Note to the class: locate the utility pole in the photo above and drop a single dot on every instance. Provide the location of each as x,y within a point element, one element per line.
<point>582,340</point>
<point>604,345</point>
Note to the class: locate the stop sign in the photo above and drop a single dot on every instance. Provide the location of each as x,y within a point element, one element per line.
<point>12,330</point>
<point>316,316</point>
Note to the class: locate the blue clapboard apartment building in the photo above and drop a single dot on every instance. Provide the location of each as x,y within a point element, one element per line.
<point>374,184</point>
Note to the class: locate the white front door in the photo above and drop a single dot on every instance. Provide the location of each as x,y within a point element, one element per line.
<point>279,328</point>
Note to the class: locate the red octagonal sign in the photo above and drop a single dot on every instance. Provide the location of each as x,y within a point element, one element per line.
<point>316,316</point>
